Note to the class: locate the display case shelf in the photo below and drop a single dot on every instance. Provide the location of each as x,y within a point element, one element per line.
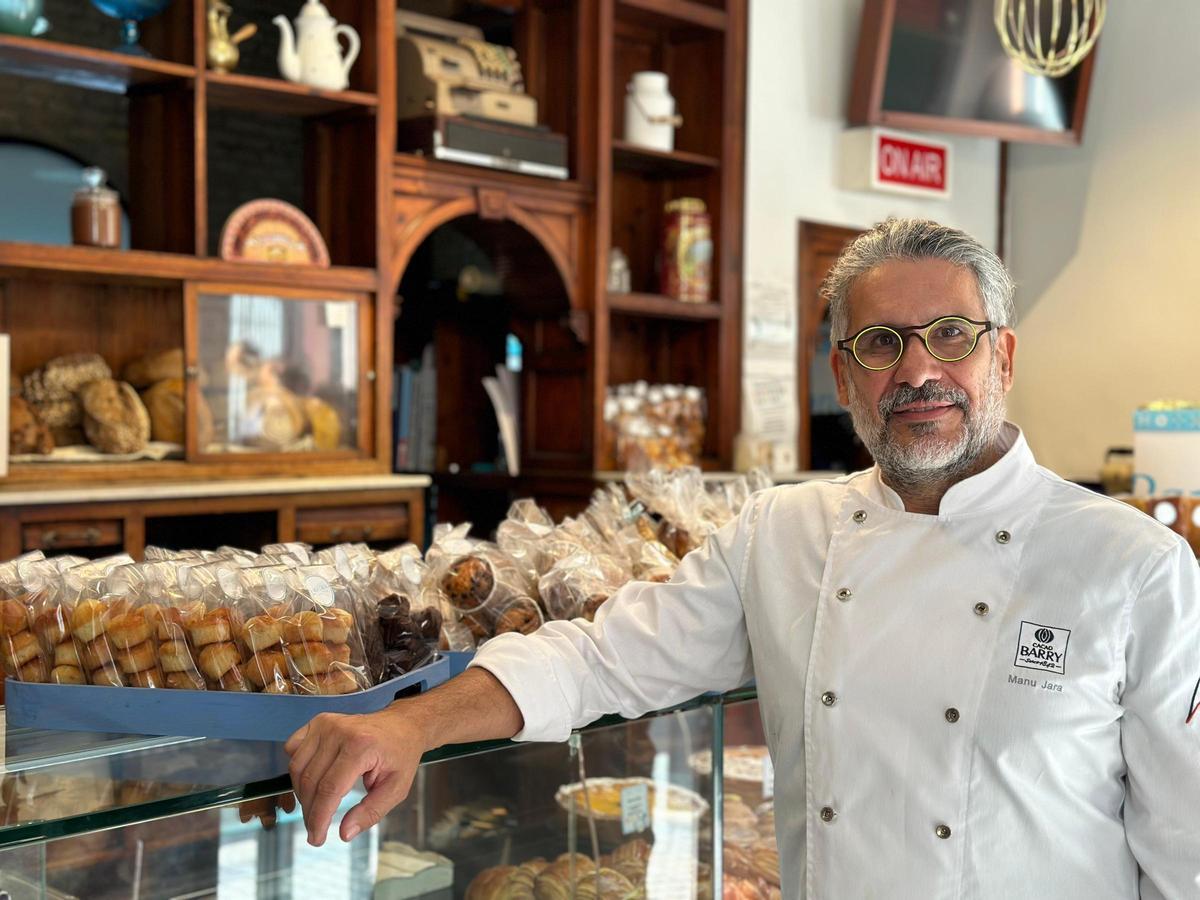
<point>679,13</point>
<point>661,164</point>
<point>99,70</point>
<point>660,307</point>
<point>277,97</point>
<point>146,267</point>
<point>125,779</point>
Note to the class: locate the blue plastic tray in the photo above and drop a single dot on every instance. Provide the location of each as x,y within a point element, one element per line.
<point>217,714</point>
<point>459,660</point>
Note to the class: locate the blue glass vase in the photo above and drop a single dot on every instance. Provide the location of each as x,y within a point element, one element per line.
<point>131,12</point>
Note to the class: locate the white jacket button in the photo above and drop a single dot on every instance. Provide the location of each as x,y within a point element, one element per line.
<point>860,516</point>
<point>829,698</point>
<point>952,715</point>
<point>982,609</point>
<point>845,594</point>
<point>942,831</point>
<point>827,814</point>
<point>1003,537</point>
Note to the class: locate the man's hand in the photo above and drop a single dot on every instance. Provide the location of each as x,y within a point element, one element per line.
<point>331,752</point>
<point>385,748</point>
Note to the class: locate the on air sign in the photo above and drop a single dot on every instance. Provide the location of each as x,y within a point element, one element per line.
<point>884,160</point>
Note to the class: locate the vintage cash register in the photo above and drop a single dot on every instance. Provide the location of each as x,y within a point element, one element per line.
<point>462,99</point>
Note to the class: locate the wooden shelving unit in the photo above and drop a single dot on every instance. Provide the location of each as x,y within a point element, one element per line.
<point>376,209</point>
<point>659,307</point>
<point>99,70</point>
<point>272,95</point>
<point>661,164</point>
<point>121,303</point>
<point>673,14</point>
<point>145,267</point>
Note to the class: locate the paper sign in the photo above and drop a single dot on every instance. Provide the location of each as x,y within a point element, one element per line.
<point>768,778</point>
<point>635,809</point>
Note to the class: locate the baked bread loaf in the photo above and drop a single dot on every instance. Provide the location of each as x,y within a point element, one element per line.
<point>26,432</point>
<point>114,417</point>
<point>62,414</point>
<point>155,367</point>
<point>63,376</point>
<point>165,406</point>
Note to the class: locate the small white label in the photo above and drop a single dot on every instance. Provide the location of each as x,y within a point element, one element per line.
<point>768,777</point>
<point>275,585</point>
<point>635,809</point>
<point>231,587</point>
<point>1196,515</point>
<point>1042,647</point>
<point>319,590</point>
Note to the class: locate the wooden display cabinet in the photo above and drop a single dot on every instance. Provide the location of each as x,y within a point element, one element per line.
<point>197,143</point>
<point>201,142</point>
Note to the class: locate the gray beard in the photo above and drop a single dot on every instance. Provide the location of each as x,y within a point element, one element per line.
<point>929,460</point>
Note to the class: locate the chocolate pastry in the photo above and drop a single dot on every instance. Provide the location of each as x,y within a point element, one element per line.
<point>26,434</point>
<point>429,623</point>
<point>469,583</point>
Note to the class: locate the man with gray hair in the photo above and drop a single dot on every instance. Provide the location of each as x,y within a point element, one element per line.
<point>977,680</point>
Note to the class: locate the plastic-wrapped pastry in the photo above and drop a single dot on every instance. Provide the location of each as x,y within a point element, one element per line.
<point>469,582</point>
<point>520,614</point>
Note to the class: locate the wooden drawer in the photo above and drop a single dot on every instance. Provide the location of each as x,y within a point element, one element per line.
<point>351,524</point>
<point>72,535</point>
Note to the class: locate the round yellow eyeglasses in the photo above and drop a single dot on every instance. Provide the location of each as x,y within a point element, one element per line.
<point>949,339</point>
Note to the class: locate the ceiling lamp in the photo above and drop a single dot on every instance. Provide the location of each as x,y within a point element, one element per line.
<point>1051,42</point>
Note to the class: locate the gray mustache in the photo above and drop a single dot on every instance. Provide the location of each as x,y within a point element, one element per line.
<point>929,392</point>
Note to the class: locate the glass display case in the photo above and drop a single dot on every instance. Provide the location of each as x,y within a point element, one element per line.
<point>111,816</point>
<point>278,372</point>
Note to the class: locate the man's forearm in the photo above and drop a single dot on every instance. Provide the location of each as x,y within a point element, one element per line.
<point>475,706</point>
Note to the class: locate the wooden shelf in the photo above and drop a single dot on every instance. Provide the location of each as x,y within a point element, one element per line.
<point>660,163</point>
<point>672,13</point>
<point>659,307</point>
<point>98,70</point>
<point>279,97</point>
<point>145,267</point>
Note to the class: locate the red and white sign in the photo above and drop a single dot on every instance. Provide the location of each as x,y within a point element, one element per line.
<point>884,160</point>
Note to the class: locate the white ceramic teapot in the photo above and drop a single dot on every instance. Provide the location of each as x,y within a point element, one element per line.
<point>311,54</point>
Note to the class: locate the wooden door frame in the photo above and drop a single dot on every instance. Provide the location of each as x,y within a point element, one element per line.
<point>815,239</point>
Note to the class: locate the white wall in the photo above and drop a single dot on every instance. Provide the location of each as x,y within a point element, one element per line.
<point>1106,245</point>
<point>801,61</point>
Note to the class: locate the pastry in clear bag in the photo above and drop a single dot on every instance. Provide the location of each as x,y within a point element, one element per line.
<point>323,638</point>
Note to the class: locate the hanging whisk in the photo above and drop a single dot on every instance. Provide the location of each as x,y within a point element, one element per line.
<point>1053,43</point>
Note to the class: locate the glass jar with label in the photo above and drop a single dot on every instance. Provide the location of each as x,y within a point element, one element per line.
<point>96,212</point>
<point>687,251</point>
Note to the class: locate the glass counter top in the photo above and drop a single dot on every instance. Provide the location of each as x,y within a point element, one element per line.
<point>58,783</point>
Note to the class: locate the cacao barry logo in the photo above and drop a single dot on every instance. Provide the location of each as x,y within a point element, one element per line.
<point>1042,648</point>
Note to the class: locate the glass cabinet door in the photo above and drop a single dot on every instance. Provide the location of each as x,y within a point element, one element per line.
<point>279,372</point>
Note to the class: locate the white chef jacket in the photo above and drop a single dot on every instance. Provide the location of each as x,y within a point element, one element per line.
<point>986,703</point>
